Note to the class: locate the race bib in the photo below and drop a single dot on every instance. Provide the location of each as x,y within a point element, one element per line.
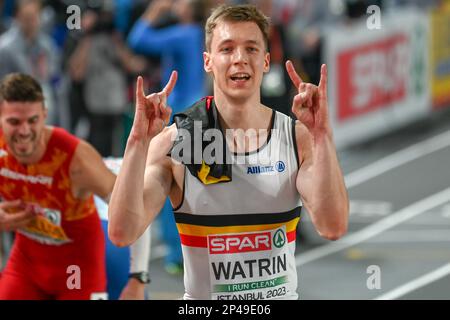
<point>46,227</point>
<point>249,266</point>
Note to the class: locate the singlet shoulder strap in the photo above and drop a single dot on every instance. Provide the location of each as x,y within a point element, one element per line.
<point>63,140</point>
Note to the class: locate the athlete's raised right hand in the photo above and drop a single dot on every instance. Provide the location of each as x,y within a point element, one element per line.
<point>14,215</point>
<point>152,112</point>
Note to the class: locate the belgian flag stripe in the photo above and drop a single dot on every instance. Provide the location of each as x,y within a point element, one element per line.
<point>202,231</point>
<point>249,219</point>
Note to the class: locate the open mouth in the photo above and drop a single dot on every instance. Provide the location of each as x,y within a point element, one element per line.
<point>240,77</point>
<point>23,141</point>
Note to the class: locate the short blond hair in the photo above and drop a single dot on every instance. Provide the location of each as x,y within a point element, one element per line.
<point>238,13</point>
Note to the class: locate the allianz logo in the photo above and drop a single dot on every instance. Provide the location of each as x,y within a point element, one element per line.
<point>277,168</point>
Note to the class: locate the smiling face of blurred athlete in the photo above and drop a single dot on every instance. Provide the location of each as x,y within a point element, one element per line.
<point>237,59</point>
<point>22,117</point>
<point>22,124</point>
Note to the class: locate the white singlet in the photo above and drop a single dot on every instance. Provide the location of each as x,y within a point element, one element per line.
<point>238,237</point>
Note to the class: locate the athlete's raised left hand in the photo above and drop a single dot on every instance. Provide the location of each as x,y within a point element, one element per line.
<point>310,105</point>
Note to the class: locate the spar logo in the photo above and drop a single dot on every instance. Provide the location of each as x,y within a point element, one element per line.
<point>237,243</point>
<point>279,238</point>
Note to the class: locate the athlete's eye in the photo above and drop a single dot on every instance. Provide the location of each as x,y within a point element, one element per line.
<point>13,122</point>
<point>33,120</point>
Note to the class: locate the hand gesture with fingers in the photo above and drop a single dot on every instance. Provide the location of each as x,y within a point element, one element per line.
<point>152,112</point>
<point>310,105</point>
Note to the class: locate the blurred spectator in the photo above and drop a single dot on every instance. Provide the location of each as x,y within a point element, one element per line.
<point>6,14</point>
<point>276,85</point>
<point>305,34</point>
<point>73,55</point>
<point>2,18</point>
<point>98,67</point>
<point>24,48</point>
<point>54,18</point>
<point>122,15</point>
<point>181,48</point>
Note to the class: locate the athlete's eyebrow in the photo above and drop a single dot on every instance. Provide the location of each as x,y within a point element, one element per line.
<point>15,119</point>
<point>226,41</point>
<point>12,119</point>
<point>254,42</point>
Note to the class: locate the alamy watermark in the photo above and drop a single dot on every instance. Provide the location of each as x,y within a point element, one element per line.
<point>73,281</point>
<point>73,21</point>
<point>373,22</point>
<point>210,146</point>
<point>374,280</point>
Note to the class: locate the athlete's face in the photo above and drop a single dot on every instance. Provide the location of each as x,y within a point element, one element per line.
<point>22,124</point>
<point>237,59</point>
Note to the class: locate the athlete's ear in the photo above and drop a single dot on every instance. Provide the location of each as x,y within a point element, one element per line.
<point>207,62</point>
<point>266,62</point>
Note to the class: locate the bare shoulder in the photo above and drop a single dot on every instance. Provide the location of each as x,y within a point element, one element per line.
<point>88,172</point>
<point>87,164</point>
<point>85,154</point>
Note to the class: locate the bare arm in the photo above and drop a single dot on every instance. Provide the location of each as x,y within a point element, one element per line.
<point>319,181</point>
<point>132,63</point>
<point>139,261</point>
<point>144,181</point>
<point>89,173</point>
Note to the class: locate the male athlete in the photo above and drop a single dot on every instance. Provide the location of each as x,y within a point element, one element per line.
<point>47,181</point>
<point>236,221</point>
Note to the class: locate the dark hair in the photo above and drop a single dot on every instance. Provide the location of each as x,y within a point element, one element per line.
<point>19,87</point>
<point>239,13</point>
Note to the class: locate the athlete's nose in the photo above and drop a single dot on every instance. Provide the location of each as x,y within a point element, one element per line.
<point>24,129</point>
<point>240,56</point>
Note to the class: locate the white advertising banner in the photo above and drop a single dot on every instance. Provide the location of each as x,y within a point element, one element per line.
<point>378,79</point>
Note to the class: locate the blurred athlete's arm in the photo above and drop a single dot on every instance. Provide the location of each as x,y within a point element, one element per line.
<point>145,177</point>
<point>319,181</point>
<point>139,261</point>
<point>89,174</point>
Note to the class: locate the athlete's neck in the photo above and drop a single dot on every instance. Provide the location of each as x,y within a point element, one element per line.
<point>242,113</point>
